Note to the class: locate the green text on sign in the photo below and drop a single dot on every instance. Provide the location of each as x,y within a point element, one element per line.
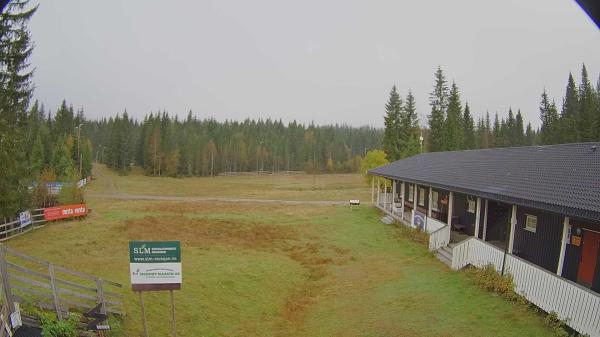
<point>154,251</point>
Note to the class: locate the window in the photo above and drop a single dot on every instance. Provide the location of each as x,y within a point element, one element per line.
<point>411,192</point>
<point>435,197</point>
<point>471,205</point>
<point>422,197</point>
<point>531,223</point>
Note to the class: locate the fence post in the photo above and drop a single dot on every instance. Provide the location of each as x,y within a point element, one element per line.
<point>54,292</point>
<point>5,281</point>
<point>100,295</point>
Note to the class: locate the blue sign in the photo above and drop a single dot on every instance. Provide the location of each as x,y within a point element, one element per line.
<point>25,218</point>
<point>420,220</point>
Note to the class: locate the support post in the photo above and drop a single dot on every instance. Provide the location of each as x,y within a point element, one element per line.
<point>143,315</point>
<point>385,194</point>
<point>513,223</point>
<point>477,217</point>
<point>393,195</point>
<point>372,190</point>
<point>430,202</point>
<point>402,200</point>
<point>173,313</point>
<point>563,246</point>
<point>485,219</point>
<point>450,206</point>
<point>54,292</point>
<point>378,191</point>
<point>100,295</point>
<point>5,281</point>
<point>412,217</point>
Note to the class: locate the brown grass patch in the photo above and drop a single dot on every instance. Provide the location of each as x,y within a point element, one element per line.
<point>202,232</point>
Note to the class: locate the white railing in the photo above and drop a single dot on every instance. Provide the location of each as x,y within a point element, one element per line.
<point>434,224</point>
<point>439,238</point>
<point>578,306</point>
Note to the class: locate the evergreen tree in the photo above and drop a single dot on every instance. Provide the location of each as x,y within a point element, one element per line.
<point>453,126</point>
<point>529,135</point>
<point>587,116</point>
<point>469,129</point>
<point>569,114</point>
<point>549,117</point>
<point>62,161</point>
<point>438,100</point>
<point>392,123</point>
<point>519,133</point>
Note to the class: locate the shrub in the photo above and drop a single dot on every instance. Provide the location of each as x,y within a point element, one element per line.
<point>488,278</point>
<point>51,327</point>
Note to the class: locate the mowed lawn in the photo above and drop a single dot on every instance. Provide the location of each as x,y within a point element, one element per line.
<point>280,270</point>
<point>331,187</point>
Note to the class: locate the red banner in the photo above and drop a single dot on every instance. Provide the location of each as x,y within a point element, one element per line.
<point>64,212</point>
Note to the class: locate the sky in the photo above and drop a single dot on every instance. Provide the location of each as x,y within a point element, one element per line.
<point>324,61</point>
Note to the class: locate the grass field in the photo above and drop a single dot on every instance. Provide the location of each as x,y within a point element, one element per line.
<point>277,270</point>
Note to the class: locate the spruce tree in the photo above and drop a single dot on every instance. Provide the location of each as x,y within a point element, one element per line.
<point>409,127</point>
<point>549,130</point>
<point>469,129</point>
<point>586,119</point>
<point>568,116</point>
<point>529,135</point>
<point>392,123</point>
<point>453,126</point>
<point>519,130</point>
<point>438,100</point>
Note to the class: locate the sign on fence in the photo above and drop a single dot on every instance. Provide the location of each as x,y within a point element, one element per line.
<point>81,183</point>
<point>64,212</point>
<point>25,218</point>
<point>155,265</point>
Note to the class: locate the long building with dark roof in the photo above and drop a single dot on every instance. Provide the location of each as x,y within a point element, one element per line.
<point>521,208</point>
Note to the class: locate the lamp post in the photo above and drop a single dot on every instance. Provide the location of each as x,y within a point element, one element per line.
<point>421,141</point>
<point>78,147</point>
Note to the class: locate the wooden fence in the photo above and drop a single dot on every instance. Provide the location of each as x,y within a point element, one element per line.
<point>26,279</point>
<point>13,227</point>
<point>577,305</point>
<point>439,238</point>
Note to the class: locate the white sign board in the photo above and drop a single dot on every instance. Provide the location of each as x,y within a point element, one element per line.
<point>25,218</point>
<point>155,265</point>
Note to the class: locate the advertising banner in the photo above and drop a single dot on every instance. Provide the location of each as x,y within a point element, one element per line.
<point>155,265</point>
<point>65,211</point>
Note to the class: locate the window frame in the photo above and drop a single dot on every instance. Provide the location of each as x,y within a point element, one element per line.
<point>421,195</point>
<point>435,198</point>
<point>473,203</point>
<point>411,192</point>
<point>527,227</point>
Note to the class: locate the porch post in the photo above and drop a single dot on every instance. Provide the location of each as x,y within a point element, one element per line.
<point>478,215</point>
<point>450,206</point>
<point>563,247</point>
<point>385,194</point>
<point>378,191</point>
<point>513,222</point>
<point>485,214</point>
<point>429,203</point>
<point>402,200</point>
<point>412,215</point>
<point>393,196</point>
<point>372,190</point>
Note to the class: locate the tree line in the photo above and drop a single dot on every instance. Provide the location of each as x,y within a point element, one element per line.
<point>34,146</point>
<point>451,126</point>
<point>163,145</point>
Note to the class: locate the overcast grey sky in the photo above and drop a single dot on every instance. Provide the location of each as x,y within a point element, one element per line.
<point>322,61</point>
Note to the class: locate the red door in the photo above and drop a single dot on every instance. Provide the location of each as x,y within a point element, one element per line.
<point>589,254</point>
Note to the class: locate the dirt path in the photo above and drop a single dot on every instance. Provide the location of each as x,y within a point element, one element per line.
<point>122,196</point>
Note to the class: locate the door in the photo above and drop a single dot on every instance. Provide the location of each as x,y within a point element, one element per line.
<point>589,255</point>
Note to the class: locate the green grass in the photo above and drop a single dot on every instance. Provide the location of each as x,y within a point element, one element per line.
<point>281,270</point>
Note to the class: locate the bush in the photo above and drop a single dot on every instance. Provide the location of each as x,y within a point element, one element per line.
<point>51,327</point>
<point>414,234</point>
<point>488,278</point>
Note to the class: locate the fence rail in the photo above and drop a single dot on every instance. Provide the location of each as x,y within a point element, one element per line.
<point>439,238</point>
<point>27,279</point>
<point>578,306</point>
<point>13,228</point>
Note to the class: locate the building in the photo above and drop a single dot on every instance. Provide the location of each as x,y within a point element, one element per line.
<point>532,212</point>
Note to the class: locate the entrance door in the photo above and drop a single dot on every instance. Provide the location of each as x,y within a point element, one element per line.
<point>589,254</point>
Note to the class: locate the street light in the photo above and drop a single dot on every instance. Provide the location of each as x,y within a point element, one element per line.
<point>421,141</point>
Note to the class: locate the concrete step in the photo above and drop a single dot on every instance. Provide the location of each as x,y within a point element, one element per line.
<point>387,219</point>
<point>447,261</point>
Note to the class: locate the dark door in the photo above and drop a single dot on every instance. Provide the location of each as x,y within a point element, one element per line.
<point>589,256</point>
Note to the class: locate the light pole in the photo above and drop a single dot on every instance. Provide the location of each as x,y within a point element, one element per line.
<point>421,141</point>
<point>78,147</point>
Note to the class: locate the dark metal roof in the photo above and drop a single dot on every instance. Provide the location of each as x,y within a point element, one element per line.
<point>563,179</point>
